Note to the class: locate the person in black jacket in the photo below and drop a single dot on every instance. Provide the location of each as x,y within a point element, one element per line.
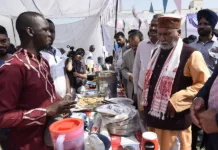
<point>76,69</point>
<point>204,111</point>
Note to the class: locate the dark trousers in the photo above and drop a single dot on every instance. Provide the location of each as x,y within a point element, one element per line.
<point>195,131</point>
<point>212,142</point>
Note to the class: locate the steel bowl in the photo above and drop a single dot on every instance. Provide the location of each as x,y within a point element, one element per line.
<point>123,127</point>
<point>121,132</point>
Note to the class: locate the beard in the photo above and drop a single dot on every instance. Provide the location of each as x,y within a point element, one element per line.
<point>3,53</point>
<point>168,46</point>
<point>120,45</point>
<point>204,32</point>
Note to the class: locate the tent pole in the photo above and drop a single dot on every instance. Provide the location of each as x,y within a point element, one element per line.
<point>186,26</point>
<point>115,29</point>
<point>102,30</point>
<point>14,32</point>
<point>102,35</point>
<point>116,16</point>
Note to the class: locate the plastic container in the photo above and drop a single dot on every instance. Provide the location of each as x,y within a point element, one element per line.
<point>68,134</point>
<point>149,141</point>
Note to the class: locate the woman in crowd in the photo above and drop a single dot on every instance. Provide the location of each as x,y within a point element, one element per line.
<point>76,69</point>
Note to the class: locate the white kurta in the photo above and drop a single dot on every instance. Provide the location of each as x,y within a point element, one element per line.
<point>57,64</point>
<point>142,58</point>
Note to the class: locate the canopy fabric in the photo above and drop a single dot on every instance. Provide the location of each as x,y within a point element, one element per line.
<point>56,8</point>
<point>80,34</point>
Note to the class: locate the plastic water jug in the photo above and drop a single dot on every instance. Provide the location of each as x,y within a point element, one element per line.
<point>68,134</point>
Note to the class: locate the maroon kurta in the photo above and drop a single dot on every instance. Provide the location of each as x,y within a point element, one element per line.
<point>26,88</point>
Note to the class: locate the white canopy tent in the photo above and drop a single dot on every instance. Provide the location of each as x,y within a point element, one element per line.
<point>80,34</point>
<point>55,8</point>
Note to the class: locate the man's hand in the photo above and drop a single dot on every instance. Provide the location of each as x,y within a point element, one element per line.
<point>60,107</point>
<point>67,97</point>
<point>75,74</point>
<point>197,107</point>
<point>207,121</point>
<point>171,110</point>
<point>131,78</point>
<point>66,115</point>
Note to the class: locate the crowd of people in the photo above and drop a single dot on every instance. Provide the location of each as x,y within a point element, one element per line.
<point>167,77</point>
<point>172,81</point>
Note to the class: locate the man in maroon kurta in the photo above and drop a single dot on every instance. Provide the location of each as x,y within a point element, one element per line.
<point>27,94</point>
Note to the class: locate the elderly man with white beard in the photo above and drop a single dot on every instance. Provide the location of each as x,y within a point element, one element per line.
<point>174,76</point>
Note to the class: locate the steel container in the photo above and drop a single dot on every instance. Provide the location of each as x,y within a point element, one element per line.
<point>106,82</point>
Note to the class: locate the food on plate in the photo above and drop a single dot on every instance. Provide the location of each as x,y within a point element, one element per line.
<point>89,102</point>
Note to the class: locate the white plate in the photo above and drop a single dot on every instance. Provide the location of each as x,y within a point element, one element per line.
<point>120,100</point>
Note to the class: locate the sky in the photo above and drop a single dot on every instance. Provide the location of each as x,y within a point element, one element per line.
<point>158,4</point>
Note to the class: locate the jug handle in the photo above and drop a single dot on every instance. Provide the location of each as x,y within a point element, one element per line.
<point>60,141</point>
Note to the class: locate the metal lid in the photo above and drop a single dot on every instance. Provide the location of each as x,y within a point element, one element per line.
<point>106,73</point>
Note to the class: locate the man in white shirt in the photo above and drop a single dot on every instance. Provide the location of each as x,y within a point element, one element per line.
<point>89,56</point>
<point>57,64</point>
<point>89,60</point>
<point>142,58</point>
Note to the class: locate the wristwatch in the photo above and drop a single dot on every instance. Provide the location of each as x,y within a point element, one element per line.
<point>217,119</point>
